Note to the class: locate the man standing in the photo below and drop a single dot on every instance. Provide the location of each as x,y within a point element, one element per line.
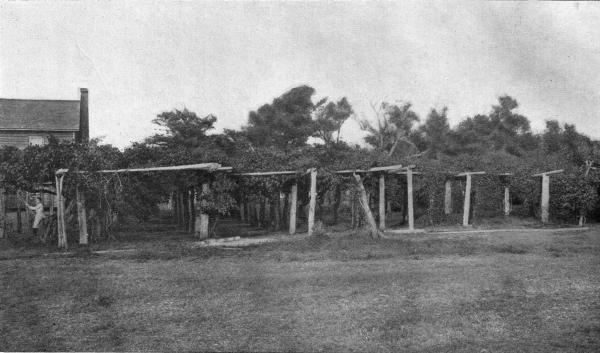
<point>39,214</point>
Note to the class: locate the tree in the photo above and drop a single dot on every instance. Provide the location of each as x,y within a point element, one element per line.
<point>182,127</point>
<point>329,119</point>
<point>436,130</point>
<point>394,127</point>
<point>285,123</point>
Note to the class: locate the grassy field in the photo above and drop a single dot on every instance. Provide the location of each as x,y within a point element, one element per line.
<point>517,292</point>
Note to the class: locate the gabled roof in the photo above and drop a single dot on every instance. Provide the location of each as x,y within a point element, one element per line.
<point>44,115</point>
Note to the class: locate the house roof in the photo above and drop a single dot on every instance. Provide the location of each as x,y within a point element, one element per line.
<point>44,115</point>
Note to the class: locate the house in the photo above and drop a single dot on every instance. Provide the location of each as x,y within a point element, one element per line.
<point>25,122</point>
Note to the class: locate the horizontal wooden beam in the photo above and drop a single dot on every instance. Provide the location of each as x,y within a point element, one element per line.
<point>212,167</point>
<point>469,173</point>
<point>548,173</point>
<point>351,171</point>
<point>383,169</point>
<point>268,173</point>
<point>389,168</point>
<point>405,172</point>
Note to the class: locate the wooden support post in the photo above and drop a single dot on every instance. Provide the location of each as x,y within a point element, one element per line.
<point>545,205</point>
<point>313,201</point>
<point>81,217</point>
<point>364,202</point>
<point>202,231</point>
<point>506,201</point>
<point>448,197</point>
<point>3,233</point>
<point>62,232</point>
<point>293,207</point>
<point>382,201</point>
<point>409,197</point>
<point>242,207</point>
<point>467,203</point>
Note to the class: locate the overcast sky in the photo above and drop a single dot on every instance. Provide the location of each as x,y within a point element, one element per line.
<point>141,58</point>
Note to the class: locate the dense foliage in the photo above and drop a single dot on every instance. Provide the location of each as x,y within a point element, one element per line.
<point>276,137</point>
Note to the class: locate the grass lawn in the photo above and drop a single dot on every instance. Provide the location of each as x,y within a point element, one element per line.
<point>534,292</point>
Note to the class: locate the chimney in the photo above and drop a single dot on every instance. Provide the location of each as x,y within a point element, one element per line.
<point>84,119</point>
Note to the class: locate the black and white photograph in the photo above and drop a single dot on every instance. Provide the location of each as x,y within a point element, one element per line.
<point>299,176</point>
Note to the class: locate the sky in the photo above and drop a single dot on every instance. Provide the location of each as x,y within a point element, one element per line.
<point>139,59</point>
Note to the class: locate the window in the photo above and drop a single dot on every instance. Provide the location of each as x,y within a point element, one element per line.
<point>37,140</point>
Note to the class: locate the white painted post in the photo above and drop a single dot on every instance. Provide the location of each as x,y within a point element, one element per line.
<point>467,203</point>
<point>293,207</point>
<point>448,197</point>
<point>409,196</point>
<point>81,217</point>
<point>506,201</point>
<point>313,201</point>
<point>382,201</point>
<point>545,198</point>
<point>62,232</point>
<point>203,231</point>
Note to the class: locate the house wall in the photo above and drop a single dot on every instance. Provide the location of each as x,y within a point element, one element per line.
<point>20,139</point>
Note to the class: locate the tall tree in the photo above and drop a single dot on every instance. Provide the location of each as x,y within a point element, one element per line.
<point>394,127</point>
<point>436,130</point>
<point>285,123</point>
<point>329,119</point>
<point>182,127</point>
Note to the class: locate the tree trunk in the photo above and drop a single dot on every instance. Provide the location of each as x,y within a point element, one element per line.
<point>364,202</point>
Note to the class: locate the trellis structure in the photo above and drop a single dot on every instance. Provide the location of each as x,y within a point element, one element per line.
<point>201,221</point>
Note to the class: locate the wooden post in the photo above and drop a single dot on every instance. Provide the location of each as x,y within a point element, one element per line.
<point>545,198</point>
<point>242,207</point>
<point>448,197</point>
<point>409,197</point>
<point>2,214</point>
<point>293,207</point>
<point>62,232</point>
<point>313,201</point>
<point>382,201</point>
<point>506,201</point>
<point>81,217</point>
<point>203,226</point>
<point>467,203</point>
<point>364,202</point>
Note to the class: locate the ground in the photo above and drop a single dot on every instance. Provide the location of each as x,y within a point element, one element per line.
<point>503,292</point>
